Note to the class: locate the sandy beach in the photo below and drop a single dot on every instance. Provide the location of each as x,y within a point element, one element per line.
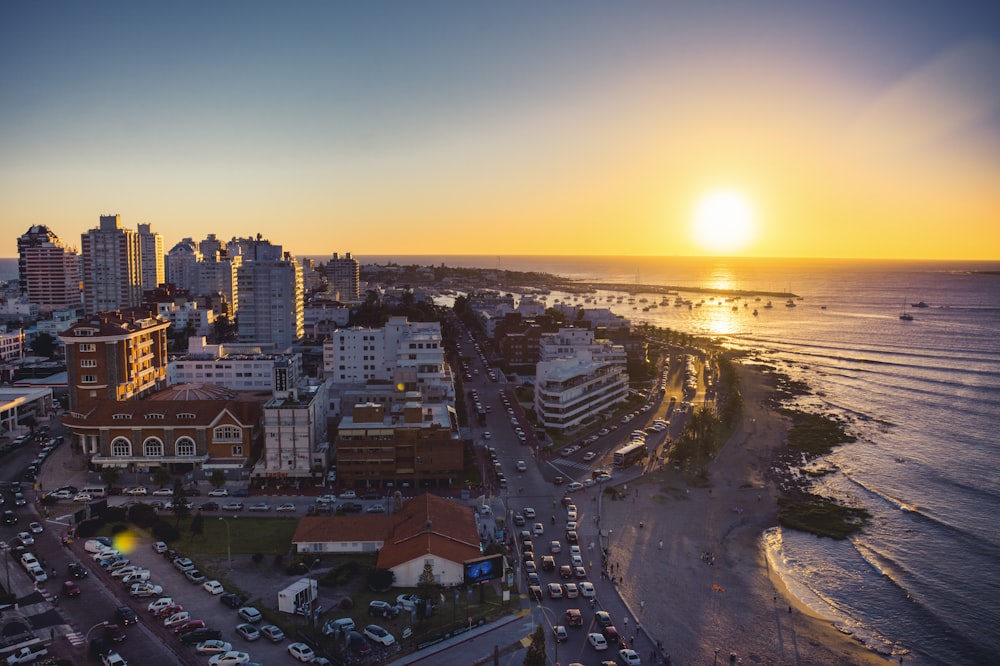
<point>695,574</point>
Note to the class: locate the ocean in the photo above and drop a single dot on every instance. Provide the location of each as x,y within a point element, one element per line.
<point>921,396</point>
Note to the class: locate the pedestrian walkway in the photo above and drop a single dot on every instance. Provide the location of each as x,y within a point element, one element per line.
<point>76,638</point>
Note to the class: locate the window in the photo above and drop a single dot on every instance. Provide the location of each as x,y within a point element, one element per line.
<point>120,417</point>
<point>154,416</point>
<point>228,433</point>
<point>89,379</point>
<point>185,446</point>
<point>88,347</point>
<point>121,447</point>
<point>185,415</point>
<point>237,451</point>
<point>152,448</point>
<point>88,363</point>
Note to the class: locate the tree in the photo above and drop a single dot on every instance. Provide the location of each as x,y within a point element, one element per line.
<point>536,651</point>
<point>161,477</point>
<point>426,585</point>
<point>218,478</point>
<point>43,345</point>
<point>197,525</point>
<point>179,506</point>
<point>109,475</point>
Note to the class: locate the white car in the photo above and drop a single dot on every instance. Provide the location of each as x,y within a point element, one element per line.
<point>629,657</point>
<point>555,547</point>
<point>137,490</point>
<point>176,618</point>
<point>575,486</point>
<point>113,659</point>
<point>538,529</point>
<point>375,508</point>
<point>528,512</point>
<point>219,492</point>
<point>587,590</point>
<point>597,641</point>
<point>301,651</point>
<point>231,657</point>
<point>521,466</point>
<point>164,492</point>
<point>213,647</point>
<point>379,635</point>
<point>347,494</point>
<point>159,604</point>
<point>213,587</point>
<point>82,497</point>
<point>589,455</point>
<point>25,538</point>
<point>287,507</point>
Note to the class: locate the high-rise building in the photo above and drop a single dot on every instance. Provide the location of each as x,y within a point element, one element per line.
<point>343,276</point>
<point>270,295</point>
<point>111,267</point>
<point>181,265</point>
<point>49,272</point>
<point>150,258</point>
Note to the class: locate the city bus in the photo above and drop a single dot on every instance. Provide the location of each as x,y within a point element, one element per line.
<point>630,453</point>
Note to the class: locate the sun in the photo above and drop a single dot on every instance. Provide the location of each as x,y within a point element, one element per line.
<point>723,222</point>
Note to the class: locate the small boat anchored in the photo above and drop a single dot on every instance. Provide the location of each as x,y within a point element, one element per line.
<point>904,315</point>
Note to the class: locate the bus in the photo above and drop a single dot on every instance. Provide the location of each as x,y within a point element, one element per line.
<point>630,453</point>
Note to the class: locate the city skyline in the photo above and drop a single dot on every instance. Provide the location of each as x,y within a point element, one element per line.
<point>562,129</point>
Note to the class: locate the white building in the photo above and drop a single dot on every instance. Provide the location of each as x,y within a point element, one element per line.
<point>270,299</point>
<point>11,345</point>
<point>110,258</point>
<point>577,379</point>
<point>237,367</point>
<point>408,354</point>
<point>151,271</point>
<point>185,313</point>
<point>295,434</point>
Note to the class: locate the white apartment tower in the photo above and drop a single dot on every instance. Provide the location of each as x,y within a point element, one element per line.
<point>49,272</point>
<point>150,258</point>
<point>111,267</point>
<point>270,296</point>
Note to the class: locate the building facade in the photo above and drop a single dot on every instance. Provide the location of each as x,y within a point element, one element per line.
<point>151,270</point>
<point>270,298</point>
<point>49,272</point>
<point>416,447</point>
<point>343,276</point>
<point>111,267</point>
<point>295,436</point>
<point>575,388</point>
<point>115,356</point>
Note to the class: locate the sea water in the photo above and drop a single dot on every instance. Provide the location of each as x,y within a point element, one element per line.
<point>921,396</point>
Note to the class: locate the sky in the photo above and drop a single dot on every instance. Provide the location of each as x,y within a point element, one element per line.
<point>842,128</point>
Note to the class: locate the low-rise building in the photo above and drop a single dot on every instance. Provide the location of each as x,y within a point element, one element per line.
<point>427,530</point>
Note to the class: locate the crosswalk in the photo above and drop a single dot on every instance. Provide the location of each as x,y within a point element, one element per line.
<point>572,464</point>
<point>76,638</point>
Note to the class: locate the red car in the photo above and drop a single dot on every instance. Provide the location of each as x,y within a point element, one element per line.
<point>574,617</point>
<point>71,589</point>
<point>190,625</point>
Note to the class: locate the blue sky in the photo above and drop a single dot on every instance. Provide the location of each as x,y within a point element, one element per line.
<point>440,125</point>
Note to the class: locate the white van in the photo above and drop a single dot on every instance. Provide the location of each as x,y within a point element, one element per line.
<point>94,491</point>
<point>136,577</point>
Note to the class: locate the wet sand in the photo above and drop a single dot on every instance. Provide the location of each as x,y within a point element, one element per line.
<point>708,584</point>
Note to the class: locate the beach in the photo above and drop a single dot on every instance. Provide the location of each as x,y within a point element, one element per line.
<point>695,573</point>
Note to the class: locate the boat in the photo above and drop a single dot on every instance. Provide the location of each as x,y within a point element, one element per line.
<point>921,304</point>
<point>904,315</point>
<point>790,303</point>
<point>755,312</point>
<point>768,306</point>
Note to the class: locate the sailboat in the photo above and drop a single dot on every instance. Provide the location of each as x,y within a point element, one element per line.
<point>904,315</point>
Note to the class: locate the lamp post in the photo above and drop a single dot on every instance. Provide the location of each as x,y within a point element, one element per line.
<point>555,640</point>
<point>86,639</point>
<point>229,543</point>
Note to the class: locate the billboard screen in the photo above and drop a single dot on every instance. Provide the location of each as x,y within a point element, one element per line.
<point>484,568</point>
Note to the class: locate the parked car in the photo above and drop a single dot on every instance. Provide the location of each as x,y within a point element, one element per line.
<point>231,600</point>
<point>287,507</point>
<point>232,506</point>
<point>248,631</point>
<point>200,635</point>
<point>213,646</point>
<point>195,576</point>
<point>219,492</point>
<point>383,609</point>
<point>213,587</point>
<point>272,633</point>
<point>177,618</point>
<point>260,506</point>
<point>377,634</point>
<point>301,652</point>
<point>250,614</point>
<point>230,658</point>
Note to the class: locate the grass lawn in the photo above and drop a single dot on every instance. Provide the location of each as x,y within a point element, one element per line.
<point>268,536</point>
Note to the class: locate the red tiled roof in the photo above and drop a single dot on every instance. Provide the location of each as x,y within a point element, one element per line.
<point>426,525</point>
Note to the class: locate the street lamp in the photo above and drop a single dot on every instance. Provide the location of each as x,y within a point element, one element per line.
<point>229,543</point>
<point>555,640</point>
<point>86,639</point>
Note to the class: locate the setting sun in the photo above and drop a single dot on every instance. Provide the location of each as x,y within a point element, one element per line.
<point>723,222</point>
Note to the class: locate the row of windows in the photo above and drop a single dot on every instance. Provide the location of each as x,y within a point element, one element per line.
<point>153,448</point>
